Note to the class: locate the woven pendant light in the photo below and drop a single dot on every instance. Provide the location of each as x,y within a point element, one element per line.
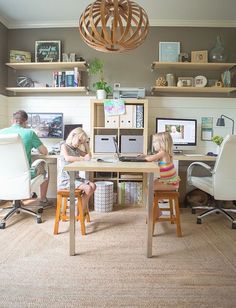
<point>114,25</point>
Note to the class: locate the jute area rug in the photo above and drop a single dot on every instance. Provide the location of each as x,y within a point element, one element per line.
<point>111,268</point>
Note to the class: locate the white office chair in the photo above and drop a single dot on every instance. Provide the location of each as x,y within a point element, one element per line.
<point>221,184</point>
<point>16,183</point>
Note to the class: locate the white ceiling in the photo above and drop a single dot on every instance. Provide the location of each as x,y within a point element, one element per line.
<point>59,13</point>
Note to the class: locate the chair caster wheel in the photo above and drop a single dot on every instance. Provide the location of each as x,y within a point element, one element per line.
<point>2,225</point>
<point>40,211</point>
<point>193,211</point>
<point>18,212</point>
<point>234,225</point>
<point>39,220</point>
<point>199,221</point>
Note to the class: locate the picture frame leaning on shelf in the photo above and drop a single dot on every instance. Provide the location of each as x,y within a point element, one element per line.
<point>169,51</point>
<point>47,51</point>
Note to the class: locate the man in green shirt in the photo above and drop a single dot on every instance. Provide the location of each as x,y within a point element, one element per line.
<point>30,140</point>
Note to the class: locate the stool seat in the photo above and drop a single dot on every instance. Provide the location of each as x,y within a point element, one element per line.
<point>62,207</point>
<point>173,208</point>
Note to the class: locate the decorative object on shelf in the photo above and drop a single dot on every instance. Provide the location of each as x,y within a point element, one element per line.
<point>186,81</point>
<point>179,83</point>
<point>47,51</point>
<point>101,86</point>
<point>217,53</point>
<point>24,82</point>
<point>20,56</point>
<point>169,51</point>
<point>161,81</point>
<point>221,121</point>
<point>170,78</point>
<point>65,57</point>
<point>113,25</point>
<point>114,107</point>
<point>219,84</point>
<point>199,56</point>
<point>207,128</point>
<point>226,78</point>
<point>200,81</point>
<point>211,82</point>
<point>184,57</point>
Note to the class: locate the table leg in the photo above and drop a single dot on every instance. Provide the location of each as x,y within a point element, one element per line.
<point>149,200</point>
<point>72,213</point>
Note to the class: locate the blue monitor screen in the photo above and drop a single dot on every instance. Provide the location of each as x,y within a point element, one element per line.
<point>46,125</point>
<point>183,131</point>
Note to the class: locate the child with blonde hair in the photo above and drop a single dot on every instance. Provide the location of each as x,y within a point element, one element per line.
<point>163,145</point>
<point>75,148</point>
<point>169,180</point>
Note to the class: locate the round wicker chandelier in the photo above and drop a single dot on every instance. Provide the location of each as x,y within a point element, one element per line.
<point>114,25</point>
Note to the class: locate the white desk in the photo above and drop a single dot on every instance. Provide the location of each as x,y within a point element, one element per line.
<point>147,169</point>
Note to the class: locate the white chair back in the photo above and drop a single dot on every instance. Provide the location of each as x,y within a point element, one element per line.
<point>14,168</point>
<point>224,177</point>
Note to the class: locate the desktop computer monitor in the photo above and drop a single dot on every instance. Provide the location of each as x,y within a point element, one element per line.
<point>68,128</point>
<point>46,125</point>
<point>183,132</point>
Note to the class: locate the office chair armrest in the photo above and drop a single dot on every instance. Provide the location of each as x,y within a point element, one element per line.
<point>37,162</point>
<point>194,164</point>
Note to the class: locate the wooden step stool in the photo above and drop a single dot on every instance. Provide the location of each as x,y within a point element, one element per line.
<point>173,198</point>
<point>62,206</point>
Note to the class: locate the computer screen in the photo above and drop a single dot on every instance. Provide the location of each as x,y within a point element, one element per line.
<point>68,128</point>
<point>183,131</point>
<point>46,125</point>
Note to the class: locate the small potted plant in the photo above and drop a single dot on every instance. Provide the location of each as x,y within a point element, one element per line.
<point>101,86</point>
<point>217,140</point>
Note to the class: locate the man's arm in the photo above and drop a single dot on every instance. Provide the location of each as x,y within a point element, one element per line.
<point>42,149</point>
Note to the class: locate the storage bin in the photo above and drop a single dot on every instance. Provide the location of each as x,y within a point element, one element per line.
<point>131,144</point>
<point>103,196</point>
<point>104,144</point>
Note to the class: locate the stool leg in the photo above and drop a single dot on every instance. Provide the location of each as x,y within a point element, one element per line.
<point>87,216</point>
<point>154,212</point>
<point>58,213</point>
<point>171,210</point>
<point>81,215</point>
<point>177,215</point>
<point>64,199</point>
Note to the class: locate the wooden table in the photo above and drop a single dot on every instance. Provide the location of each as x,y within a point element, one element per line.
<point>147,168</point>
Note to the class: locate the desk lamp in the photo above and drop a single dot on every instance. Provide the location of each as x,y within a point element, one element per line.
<point>221,122</point>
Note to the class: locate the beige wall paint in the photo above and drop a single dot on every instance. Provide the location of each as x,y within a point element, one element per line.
<point>3,58</point>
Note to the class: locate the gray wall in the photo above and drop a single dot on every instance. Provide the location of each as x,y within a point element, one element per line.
<point>132,68</point>
<point>3,58</point>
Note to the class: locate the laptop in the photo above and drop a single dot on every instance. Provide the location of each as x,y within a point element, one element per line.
<point>127,158</point>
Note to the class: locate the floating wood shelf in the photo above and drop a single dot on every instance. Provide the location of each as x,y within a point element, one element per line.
<point>47,89</point>
<point>82,66</point>
<point>192,66</point>
<point>193,89</point>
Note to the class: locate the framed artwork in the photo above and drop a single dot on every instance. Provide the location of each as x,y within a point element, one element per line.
<point>47,51</point>
<point>186,81</point>
<point>20,56</point>
<point>207,128</point>
<point>169,51</point>
<point>199,56</point>
<point>200,81</point>
<point>46,125</point>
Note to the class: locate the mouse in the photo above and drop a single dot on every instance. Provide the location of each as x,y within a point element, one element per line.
<point>211,154</point>
<point>99,160</point>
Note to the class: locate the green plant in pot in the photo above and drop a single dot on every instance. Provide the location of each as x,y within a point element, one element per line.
<point>101,86</point>
<point>217,140</point>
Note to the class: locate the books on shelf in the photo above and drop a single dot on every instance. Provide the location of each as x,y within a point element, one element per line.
<point>69,78</point>
<point>132,118</point>
<point>130,193</point>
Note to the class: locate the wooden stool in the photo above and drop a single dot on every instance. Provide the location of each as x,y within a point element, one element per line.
<point>173,198</point>
<point>62,206</point>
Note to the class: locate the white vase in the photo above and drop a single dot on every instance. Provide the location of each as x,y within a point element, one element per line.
<point>101,94</point>
<point>217,149</point>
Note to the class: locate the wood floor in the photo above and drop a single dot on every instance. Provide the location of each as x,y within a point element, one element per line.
<point>111,268</point>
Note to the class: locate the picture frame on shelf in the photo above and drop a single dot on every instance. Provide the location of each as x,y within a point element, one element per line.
<point>169,51</point>
<point>200,81</point>
<point>200,56</point>
<point>47,51</point>
<point>19,56</point>
<point>186,81</point>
